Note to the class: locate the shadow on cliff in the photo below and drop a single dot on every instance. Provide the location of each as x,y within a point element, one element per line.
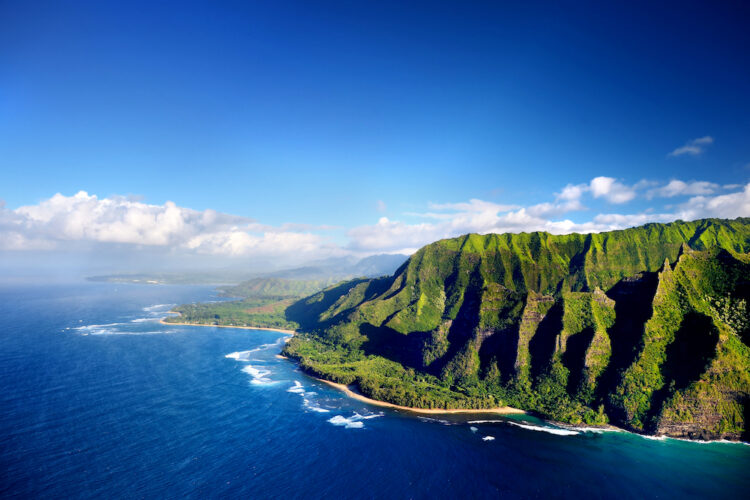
<point>306,312</point>
<point>633,307</point>
<point>542,344</point>
<point>687,358</point>
<point>389,343</point>
<point>574,358</point>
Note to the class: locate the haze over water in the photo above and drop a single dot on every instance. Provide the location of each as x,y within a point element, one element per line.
<point>99,399</point>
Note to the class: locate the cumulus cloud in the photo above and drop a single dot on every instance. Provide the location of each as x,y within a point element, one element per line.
<point>680,188</point>
<point>117,220</point>
<point>572,192</point>
<point>485,217</point>
<point>62,222</point>
<point>693,147</point>
<point>611,190</point>
<point>608,188</point>
<point>725,206</point>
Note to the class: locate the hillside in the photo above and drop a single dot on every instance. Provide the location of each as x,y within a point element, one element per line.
<point>279,288</point>
<point>262,303</point>
<point>646,328</point>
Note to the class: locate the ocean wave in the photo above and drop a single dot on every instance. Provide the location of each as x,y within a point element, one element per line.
<point>550,430</point>
<point>488,438</point>
<point>259,375</point>
<point>653,438</point>
<point>156,307</point>
<point>94,327</point>
<point>245,355</point>
<point>703,441</point>
<point>105,329</point>
<point>297,388</point>
<point>313,407</point>
<point>473,429</point>
<point>353,422</point>
<point>348,423</point>
<point>595,430</point>
<point>143,320</point>
<point>239,355</point>
<point>436,421</point>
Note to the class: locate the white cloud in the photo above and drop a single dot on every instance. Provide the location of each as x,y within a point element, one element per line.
<point>572,192</point>
<point>693,147</point>
<point>608,188</point>
<point>380,206</point>
<point>465,218</point>
<point>611,190</point>
<point>86,218</point>
<point>680,188</point>
<point>67,222</point>
<point>725,206</point>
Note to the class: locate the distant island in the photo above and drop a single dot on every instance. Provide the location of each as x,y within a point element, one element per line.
<point>646,328</point>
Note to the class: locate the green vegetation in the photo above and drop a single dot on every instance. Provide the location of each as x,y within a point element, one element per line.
<point>278,288</point>
<point>579,328</point>
<point>263,313</point>
<point>264,303</point>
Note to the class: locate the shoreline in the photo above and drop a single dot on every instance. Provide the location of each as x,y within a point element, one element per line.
<point>286,332</point>
<point>502,410</point>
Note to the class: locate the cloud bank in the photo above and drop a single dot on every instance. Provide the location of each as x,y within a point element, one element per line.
<point>60,220</point>
<point>64,222</point>
<point>483,217</point>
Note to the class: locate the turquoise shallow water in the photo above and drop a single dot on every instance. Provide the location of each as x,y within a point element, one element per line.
<point>99,399</point>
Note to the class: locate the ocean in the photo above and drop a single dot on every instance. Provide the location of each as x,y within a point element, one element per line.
<point>98,399</point>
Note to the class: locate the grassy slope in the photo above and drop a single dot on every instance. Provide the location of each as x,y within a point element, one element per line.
<point>263,304</point>
<point>524,319</point>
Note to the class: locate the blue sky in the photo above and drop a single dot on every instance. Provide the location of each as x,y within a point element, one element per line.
<point>330,116</point>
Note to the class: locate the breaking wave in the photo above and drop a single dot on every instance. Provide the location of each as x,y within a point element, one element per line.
<point>353,422</point>
<point>296,388</point>
<point>259,375</point>
<point>157,307</point>
<point>551,430</point>
<point>313,406</point>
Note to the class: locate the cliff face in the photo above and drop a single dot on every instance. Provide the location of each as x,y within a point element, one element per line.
<point>646,327</point>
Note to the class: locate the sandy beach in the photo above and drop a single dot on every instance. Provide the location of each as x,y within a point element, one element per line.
<point>288,332</point>
<point>503,410</point>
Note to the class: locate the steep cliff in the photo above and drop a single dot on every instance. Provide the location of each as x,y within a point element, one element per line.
<point>646,327</point>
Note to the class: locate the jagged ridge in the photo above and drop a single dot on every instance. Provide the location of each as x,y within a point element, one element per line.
<point>576,327</point>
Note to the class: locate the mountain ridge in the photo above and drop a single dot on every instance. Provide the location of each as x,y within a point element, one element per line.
<point>579,328</point>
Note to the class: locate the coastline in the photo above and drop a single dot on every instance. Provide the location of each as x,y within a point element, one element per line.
<point>502,410</point>
<point>287,332</point>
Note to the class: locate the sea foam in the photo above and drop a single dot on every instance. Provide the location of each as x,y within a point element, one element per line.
<point>156,307</point>
<point>353,422</point>
<point>258,374</point>
<point>296,388</point>
<point>239,355</point>
<point>551,430</point>
<point>313,406</point>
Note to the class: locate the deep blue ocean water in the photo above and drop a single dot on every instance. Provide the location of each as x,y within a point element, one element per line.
<point>97,399</point>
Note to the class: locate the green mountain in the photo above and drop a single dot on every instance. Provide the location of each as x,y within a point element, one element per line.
<point>645,328</point>
<point>263,302</point>
<point>278,288</point>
